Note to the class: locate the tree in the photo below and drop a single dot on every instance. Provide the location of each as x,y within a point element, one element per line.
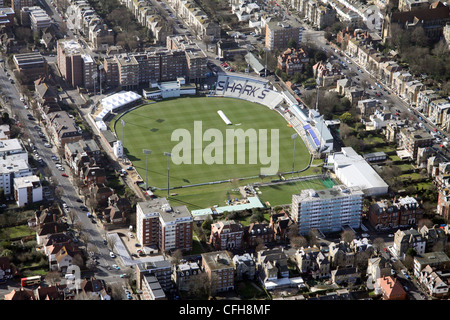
<point>313,235</point>
<point>298,242</point>
<point>176,257</point>
<point>411,252</point>
<point>347,118</point>
<point>320,56</point>
<point>344,130</point>
<point>292,44</point>
<point>378,244</point>
<point>53,277</point>
<point>347,236</point>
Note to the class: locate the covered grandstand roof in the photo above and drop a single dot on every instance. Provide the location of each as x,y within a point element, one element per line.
<point>119,99</point>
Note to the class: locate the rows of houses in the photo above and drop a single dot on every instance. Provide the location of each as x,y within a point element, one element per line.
<point>88,23</point>
<point>204,27</point>
<point>360,46</point>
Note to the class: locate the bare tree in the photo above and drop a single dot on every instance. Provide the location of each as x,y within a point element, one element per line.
<point>298,242</point>
<point>378,244</point>
<point>53,277</point>
<point>347,236</point>
<point>176,257</point>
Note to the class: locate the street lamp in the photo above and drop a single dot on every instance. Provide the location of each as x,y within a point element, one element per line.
<point>168,155</point>
<point>147,153</point>
<point>293,137</point>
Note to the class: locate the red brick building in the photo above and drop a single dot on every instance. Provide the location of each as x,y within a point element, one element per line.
<point>226,235</point>
<point>386,214</point>
<point>292,61</point>
<point>258,233</point>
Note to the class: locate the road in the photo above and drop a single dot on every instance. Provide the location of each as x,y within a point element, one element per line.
<point>69,194</point>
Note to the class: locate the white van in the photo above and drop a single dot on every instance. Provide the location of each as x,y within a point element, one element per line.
<point>69,276</point>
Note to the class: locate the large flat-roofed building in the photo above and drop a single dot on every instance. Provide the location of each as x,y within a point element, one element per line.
<point>17,5</point>
<point>412,139</point>
<point>354,171</point>
<point>31,66</point>
<point>327,210</point>
<point>159,267</point>
<point>159,224</point>
<point>35,17</point>
<point>196,59</point>
<point>279,33</point>
<point>128,69</point>
<point>6,17</point>
<point>12,146</point>
<point>27,190</point>
<point>219,267</point>
<point>13,166</point>
<point>437,259</point>
<point>76,66</point>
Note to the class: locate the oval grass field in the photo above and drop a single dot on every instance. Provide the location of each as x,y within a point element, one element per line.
<point>151,127</point>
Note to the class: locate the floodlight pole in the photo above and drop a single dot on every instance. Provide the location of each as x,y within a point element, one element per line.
<point>147,153</point>
<point>293,137</point>
<point>169,155</point>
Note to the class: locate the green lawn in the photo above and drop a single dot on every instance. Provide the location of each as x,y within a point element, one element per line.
<point>281,194</point>
<point>151,127</point>
<point>15,232</point>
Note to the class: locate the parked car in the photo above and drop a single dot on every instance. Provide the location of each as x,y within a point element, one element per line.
<point>111,254</point>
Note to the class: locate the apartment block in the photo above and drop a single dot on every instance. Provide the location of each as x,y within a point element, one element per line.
<point>35,17</point>
<point>76,67</point>
<point>168,228</point>
<point>6,17</point>
<point>279,33</point>
<point>17,5</point>
<point>13,166</point>
<point>327,210</point>
<point>158,267</point>
<point>111,71</point>
<point>196,59</point>
<point>128,69</point>
<point>27,190</point>
<point>412,139</point>
<point>437,260</point>
<point>220,269</point>
<point>31,66</point>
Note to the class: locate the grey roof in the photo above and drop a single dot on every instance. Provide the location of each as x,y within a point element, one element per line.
<point>254,62</point>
